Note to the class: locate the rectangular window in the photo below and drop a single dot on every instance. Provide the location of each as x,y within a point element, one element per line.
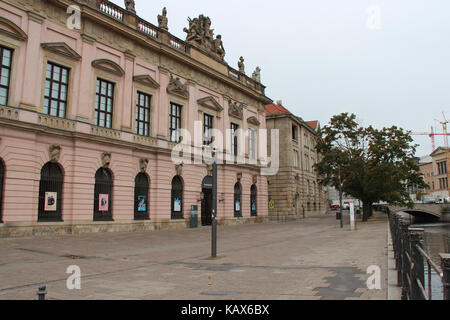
<point>174,122</point>
<point>104,102</point>
<point>234,139</point>
<point>5,74</point>
<point>296,159</point>
<point>294,132</point>
<point>207,126</point>
<point>442,167</point>
<point>253,143</point>
<point>55,92</point>
<point>143,114</point>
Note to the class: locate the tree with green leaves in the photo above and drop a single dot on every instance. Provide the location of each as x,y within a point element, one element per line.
<point>375,165</point>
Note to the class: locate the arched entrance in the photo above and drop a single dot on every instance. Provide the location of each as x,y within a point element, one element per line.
<point>141,187</point>
<point>237,200</point>
<point>2,179</point>
<point>103,195</point>
<point>254,201</point>
<point>50,193</point>
<point>177,198</point>
<point>207,186</point>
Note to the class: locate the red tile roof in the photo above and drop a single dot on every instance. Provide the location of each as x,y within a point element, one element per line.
<point>313,124</point>
<point>274,109</point>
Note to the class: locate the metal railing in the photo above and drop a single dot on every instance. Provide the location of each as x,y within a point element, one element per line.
<point>410,258</point>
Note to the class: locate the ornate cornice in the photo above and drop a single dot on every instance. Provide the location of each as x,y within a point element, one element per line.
<point>108,66</point>
<point>12,30</point>
<point>146,80</point>
<point>210,103</point>
<point>61,48</point>
<point>253,120</point>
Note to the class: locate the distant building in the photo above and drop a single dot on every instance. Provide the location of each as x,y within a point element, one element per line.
<point>434,169</point>
<point>295,189</point>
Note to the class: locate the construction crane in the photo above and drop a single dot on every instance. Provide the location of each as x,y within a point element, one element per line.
<point>444,129</point>
<point>432,135</point>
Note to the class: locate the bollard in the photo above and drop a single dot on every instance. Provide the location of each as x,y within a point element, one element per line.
<point>417,272</point>
<point>42,292</point>
<point>445,265</point>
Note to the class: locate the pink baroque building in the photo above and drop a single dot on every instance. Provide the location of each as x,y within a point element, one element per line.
<point>91,97</point>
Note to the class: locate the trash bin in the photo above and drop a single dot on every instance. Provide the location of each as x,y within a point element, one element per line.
<point>194,217</point>
<point>338,215</point>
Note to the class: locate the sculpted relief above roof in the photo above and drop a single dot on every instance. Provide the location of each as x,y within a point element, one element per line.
<point>200,35</point>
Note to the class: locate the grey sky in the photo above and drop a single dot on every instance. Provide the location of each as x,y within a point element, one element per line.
<point>320,58</point>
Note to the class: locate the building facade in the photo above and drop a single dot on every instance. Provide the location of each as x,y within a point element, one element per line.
<point>295,191</point>
<point>91,103</point>
<point>435,172</point>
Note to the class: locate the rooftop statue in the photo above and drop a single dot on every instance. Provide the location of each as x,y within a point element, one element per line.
<point>241,65</point>
<point>201,35</point>
<point>163,22</point>
<point>130,6</point>
<point>257,75</point>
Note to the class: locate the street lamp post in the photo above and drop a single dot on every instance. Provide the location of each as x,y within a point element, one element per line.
<point>214,207</point>
<point>340,196</point>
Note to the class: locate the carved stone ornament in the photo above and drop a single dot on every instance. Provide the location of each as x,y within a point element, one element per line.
<point>106,159</point>
<point>143,164</point>
<point>54,152</point>
<point>235,109</point>
<point>255,179</point>
<point>130,6</point>
<point>209,170</point>
<point>163,22</point>
<point>239,176</point>
<point>177,87</point>
<point>201,36</point>
<point>61,48</point>
<point>179,169</point>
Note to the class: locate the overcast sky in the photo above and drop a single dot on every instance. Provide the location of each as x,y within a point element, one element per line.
<point>386,61</point>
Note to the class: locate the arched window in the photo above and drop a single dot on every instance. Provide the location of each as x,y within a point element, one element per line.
<point>103,195</point>
<point>50,193</point>
<point>253,201</point>
<point>141,187</point>
<point>177,198</point>
<point>2,178</point>
<point>237,200</point>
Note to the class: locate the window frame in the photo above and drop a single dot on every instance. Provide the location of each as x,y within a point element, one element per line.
<point>60,83</point>
<point>206,127</point>
<point>9,68</point>
<point>178,122</point>
<point>234,139</point>
<point>147,111</point>
<point>98,95</point>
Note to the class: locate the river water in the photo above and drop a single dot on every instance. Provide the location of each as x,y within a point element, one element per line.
<point>436,241</point>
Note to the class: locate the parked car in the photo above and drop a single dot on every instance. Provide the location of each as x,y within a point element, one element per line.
<point>334,207</point>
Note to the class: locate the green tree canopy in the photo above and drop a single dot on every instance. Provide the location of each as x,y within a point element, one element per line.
<point>376,165</point>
